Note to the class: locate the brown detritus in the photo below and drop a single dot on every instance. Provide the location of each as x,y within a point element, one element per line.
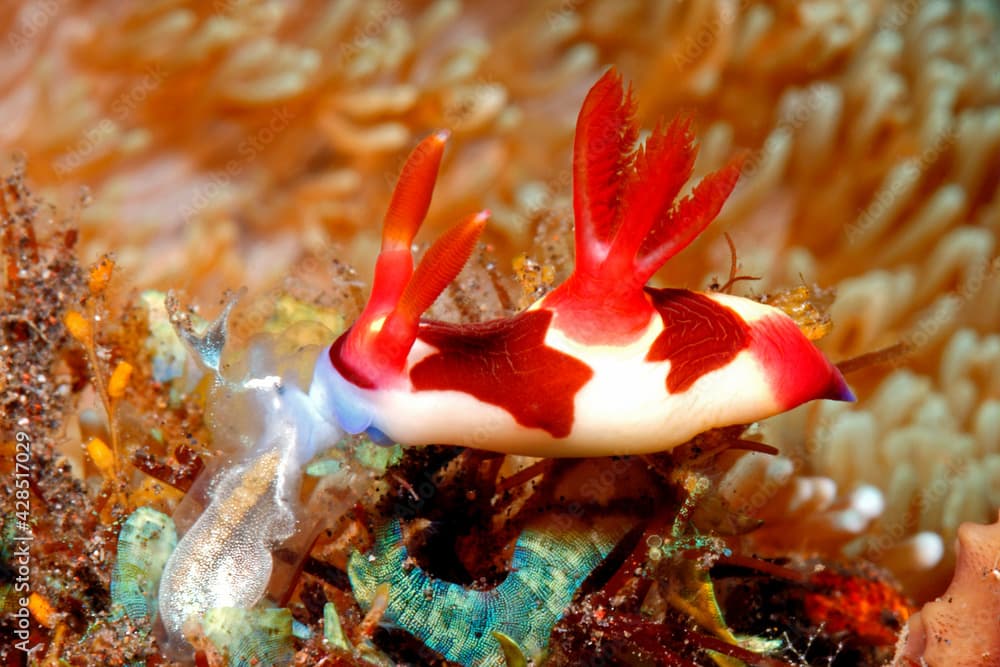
<point>158,430</point>
<point>74,532</point>
<point>886,355</point>
<point>179,473</point>
<point>733,265</point>
<point>70,550</point>
<point>808,306</point>
<point>41,281</point>
<point>591,633</point>
<point>826,613</point>
<point>112,642</point>
<point>109,380</point>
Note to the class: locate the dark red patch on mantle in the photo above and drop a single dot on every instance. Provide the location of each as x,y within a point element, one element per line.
<point>505,363</point>
<point>699,335</point>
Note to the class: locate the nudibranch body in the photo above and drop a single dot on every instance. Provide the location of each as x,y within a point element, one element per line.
<point>602,365</point>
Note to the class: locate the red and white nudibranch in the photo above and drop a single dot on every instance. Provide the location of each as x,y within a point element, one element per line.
<point>602,365</point>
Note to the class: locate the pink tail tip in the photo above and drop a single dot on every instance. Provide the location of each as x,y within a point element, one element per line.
<point>838,389</point>
<point>796,370</point>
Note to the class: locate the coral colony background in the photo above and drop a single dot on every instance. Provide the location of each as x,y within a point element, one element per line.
<point>202,147</point>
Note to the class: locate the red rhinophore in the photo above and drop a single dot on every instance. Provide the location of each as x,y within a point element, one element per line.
<point>795,368</point>
<point>373,352</point>
<point>627,220</point>
<point>699,336</point>
<point>505,363</point>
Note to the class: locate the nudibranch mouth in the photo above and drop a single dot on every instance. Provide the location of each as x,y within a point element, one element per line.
<point>346,404</point>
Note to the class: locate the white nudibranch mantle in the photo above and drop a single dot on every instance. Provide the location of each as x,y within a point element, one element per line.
<point>224,559</point>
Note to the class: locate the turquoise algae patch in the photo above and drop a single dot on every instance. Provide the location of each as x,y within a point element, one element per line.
<point>251,637</point>
<point>145,542</point>
<point>548,566</point>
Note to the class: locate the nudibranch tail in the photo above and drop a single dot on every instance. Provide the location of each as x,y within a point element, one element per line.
<point>795,368</point>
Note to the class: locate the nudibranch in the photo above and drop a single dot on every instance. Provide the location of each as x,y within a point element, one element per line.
<point>602,365</point>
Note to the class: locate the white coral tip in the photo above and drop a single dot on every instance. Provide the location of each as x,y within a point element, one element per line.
<point>927,549</point>
<point>868,501</point>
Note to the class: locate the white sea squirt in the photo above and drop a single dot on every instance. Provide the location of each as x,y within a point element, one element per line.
<point>224,559</point>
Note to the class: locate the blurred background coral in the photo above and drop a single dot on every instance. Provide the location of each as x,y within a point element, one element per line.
<point>215,145</point>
